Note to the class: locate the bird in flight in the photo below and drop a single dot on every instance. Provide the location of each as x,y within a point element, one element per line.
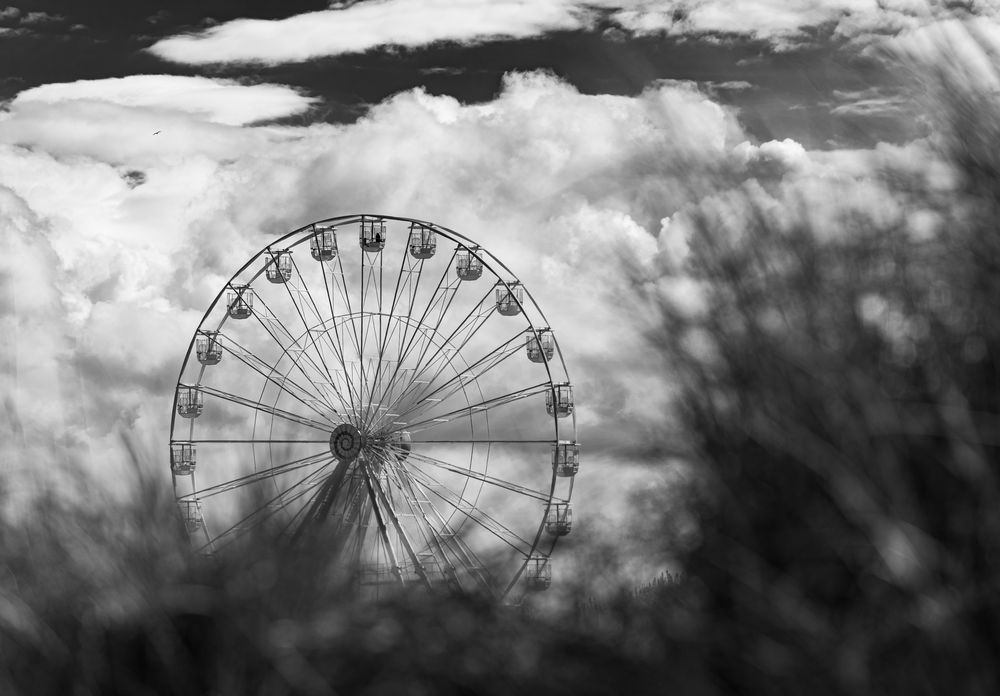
<point>157,132</point>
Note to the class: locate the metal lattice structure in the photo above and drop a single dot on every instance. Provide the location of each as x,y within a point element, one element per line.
<point>401,397</point>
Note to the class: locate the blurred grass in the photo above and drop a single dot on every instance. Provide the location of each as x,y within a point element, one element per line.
<point>840,393</point>
<point>101,598</point>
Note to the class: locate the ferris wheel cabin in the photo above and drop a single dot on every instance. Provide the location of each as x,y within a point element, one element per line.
<point>509,298</point>
<point>538,573</point>
<point>182,458</point>
<point>372,234</point>
<point>559,519</point>
<point>540,348</point>
<point>566,458</point>
<point>559,400</point>
<point>278,268</point>
<point>190,401</point>
<point>239,300</point>
<point>423,242</point>
<point>323,243</point>
<point>207,348</point>
<point>191,514</point>
<point>468,266</point>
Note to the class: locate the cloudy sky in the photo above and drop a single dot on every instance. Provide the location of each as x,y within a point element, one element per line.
<point>146,153</point>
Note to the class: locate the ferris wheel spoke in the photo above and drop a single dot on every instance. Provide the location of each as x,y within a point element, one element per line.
<point>466,329</point>
<point>486,405</point>
<point>310,336</point>
<point>311,400</point>
<point>390,511</point>
<point>446,544</point>
<point>320,504</point>
<point>357,524</point>
<point>262,475</point>
<point>437,303</point>
<point>477,476</point>
<point>395,332</point>
<point>425,400</point>
<point>383,530</point>
<point>463,554</point>
<point>331,287</point>
<point>391,325</point>
<point>484,442</point>
<point>346,295</point>
<point>341,527</point>
<point>407,338</point>
<point>247,441</point>
<point>294,520</point>
<point>260,514</point>
<point>425,530</point>
<point>335,346</point>
<point>257,406</point>
<point>306,326</point>
<point>412,285</point>
<point>470,324</point>
<point>480,518</point>
<point>478,317</point>
<point>350,520</point>
<point>388,396</point>
<point>368,284</point>
<point>254,521</point>
<point>271,324</point>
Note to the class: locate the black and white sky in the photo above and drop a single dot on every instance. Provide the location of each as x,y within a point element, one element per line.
<point>148,149</point>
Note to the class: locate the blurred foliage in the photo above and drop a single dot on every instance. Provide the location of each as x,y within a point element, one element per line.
<point>842,392</point>
<point>106,599</point>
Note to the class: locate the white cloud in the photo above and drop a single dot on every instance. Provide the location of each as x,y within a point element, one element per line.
<point>766,19</point>
<point>213,100</point>
<point>570,190</point>
<point>558,184</point>
<point>359,27</point>
<point>786,23</point>
<point>787,153</point>
<point>38,18</point>
<point>37,400</point>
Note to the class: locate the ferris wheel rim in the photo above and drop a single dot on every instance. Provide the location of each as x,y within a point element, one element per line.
<point>507,279</point>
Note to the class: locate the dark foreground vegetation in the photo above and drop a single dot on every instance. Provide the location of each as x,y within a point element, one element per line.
<point>842,396</point>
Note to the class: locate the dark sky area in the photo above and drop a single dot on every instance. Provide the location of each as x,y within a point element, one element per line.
<point>779,94</point>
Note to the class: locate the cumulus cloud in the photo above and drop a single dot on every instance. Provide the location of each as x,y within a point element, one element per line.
<point>358,27</point>
<point>574,192</point>
<point>211,100</point>
<point>563,186</point>
<point>38,402</point>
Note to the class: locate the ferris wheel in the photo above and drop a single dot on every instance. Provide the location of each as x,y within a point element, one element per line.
<point>387,386</point>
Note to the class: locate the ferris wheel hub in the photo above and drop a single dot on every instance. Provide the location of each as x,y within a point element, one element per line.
<point>346,442</point>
